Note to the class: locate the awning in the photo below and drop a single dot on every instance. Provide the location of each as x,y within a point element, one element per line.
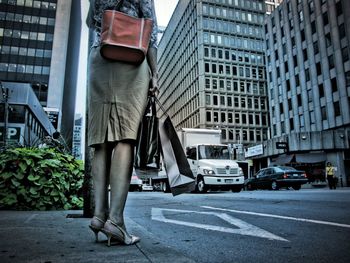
<point>282,159</point>
<point>310,157</point>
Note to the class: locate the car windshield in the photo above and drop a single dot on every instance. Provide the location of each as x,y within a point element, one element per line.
<point>213,152</point>
<point>286,168</point>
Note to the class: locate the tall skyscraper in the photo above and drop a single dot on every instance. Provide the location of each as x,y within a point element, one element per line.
<point>39,45</point>
<point>308,68</point>
<point>211,66</point>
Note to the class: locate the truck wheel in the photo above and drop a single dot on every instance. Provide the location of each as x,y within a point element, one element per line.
<point>236,189</point>
<point>202,188</point>
<point>249,187</point>
<point>165,187</point>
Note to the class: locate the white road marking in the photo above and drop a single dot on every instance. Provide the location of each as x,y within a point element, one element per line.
<point>280,217</point>
<point>243,227</point>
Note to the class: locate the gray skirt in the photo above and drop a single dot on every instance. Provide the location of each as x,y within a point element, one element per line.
<point>117,98</point>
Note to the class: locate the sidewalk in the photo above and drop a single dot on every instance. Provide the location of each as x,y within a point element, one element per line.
<point>50,237</point>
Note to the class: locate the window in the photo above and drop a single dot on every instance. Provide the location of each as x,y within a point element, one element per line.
<point>208,116</point>
<point>341,31</point>
<point>334,85</point>
<point>316,49</point>
<point>336,108</point>
<point>321,90</point>
<point>318,68</point>
<point>291,124</point>
<point>328,40</point>
<point>323,113</point>
<point>347,78</point>
<point>345,54</point>
<point>325,18</point>
<point>339,8</point>
<point>331,61</point>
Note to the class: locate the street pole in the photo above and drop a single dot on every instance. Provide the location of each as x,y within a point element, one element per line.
<point>5,95</point>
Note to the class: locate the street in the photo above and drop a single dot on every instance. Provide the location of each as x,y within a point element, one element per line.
<point>310,225</point>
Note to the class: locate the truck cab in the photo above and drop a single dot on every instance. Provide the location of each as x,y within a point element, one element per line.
<point>213,168</point>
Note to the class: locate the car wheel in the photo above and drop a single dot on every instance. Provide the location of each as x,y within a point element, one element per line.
<point>296,187</point>
<point>274,185</point>
<point>249,187</point>
<point>202,188</point>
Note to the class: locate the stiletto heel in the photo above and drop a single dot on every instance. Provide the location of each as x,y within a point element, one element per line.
<point>96,225</point>
<point>112,230</point>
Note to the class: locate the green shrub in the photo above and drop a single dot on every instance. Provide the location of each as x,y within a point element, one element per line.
<point>40,179</point>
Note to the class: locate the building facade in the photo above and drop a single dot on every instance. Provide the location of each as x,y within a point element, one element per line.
<point>39,45</point>
<point>77,137</point>
<point>211,66</point>
<point>308,73</point>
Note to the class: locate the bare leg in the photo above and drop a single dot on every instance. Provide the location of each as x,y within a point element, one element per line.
<point>100,170</point>
<point>120,175</point>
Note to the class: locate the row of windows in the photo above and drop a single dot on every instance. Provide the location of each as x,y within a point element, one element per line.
<point>28,69</point>
<point>240,135</point>
<point>246,87</point>
<point>21,18</point>
<point>240,118</point>
<point>238,102</point>
<point>233,28</point>
<point>337,109</point>
<point>233,55</point>
<point>235,71</point>
<point>22,51</point>
<point>239,3</point>
<point>26,35</point>
<point>230,13</point>
<point>31,3</point>
<point>233,42</point>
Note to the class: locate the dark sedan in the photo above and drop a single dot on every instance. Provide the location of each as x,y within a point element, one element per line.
<point>276,177</point>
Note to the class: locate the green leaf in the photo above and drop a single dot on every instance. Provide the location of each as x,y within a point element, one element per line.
<point>6,175</point>
<point>19,175</point>
<point>33,191</point>
<point>33,177</point>
<point>15,182</point>
<point>23,166</point>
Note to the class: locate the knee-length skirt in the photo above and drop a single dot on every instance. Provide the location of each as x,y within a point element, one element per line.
<point>117,98</point>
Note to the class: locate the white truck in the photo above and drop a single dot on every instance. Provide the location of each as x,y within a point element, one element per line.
<point>210,160</point>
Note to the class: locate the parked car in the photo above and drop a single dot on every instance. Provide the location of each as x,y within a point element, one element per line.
<point>276,177</point>
<point>135,183</point>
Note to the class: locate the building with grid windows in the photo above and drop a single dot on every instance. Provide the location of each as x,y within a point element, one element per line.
<point>308,73</point>
<point>211,66</point>
<point>39,45</point>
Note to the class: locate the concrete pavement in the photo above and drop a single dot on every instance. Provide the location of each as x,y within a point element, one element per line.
<point>64,236</point>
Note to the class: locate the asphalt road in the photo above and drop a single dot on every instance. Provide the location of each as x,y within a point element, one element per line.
<point>310,225</point>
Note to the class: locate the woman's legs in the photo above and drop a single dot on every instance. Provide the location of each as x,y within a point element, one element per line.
<point>120,175</point>
<point>100,170</point>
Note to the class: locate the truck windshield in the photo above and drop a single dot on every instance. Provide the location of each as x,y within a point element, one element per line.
<point>213,152</point>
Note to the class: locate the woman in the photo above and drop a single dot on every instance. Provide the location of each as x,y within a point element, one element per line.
<point>117,99</point>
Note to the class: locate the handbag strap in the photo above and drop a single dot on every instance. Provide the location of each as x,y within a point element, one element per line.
<point>118,5</point>
<point>121,2</point>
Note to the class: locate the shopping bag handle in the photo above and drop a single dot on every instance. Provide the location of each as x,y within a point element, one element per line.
<point>161,106</point>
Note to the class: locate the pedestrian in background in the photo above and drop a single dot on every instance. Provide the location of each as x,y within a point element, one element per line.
<point>330,176</point>
<point>117,98</point>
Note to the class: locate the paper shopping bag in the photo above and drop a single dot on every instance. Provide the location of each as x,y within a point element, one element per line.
<point>180,177</point>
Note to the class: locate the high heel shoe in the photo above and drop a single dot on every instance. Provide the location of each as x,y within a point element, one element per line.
<point>96,225</point>
<point>112,230</point>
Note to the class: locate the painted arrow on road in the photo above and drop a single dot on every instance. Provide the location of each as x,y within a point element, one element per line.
<point>241,227</point>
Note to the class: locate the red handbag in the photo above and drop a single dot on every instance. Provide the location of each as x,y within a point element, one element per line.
<point>125,38</point>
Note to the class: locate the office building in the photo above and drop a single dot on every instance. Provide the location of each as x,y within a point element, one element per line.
<point>308,73</point>
<point>211,66</point>
<point>39,45</point>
